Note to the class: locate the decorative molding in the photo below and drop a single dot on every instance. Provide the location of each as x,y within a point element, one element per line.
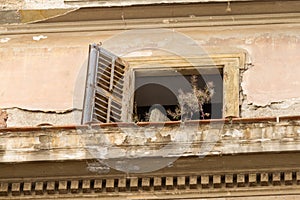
<point>174,22</point>
<point>195,186</point>
<point>188,177</point>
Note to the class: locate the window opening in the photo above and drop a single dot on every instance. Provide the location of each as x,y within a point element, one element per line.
<point>114,92</point>
<point>156,89</point>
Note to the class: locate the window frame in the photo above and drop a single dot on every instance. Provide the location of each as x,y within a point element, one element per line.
<point>231,64</point>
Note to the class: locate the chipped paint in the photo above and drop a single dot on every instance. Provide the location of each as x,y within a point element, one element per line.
<point>259,136</point>
<point>145,53</point>
<point>4,40</point>
<point>39,37</point>
<point>269,48</point>
<point>24,117</point>
<point>49,4</point>
<point>276,108</point>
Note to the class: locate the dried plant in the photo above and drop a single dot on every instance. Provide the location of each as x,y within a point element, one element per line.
<point>191,103</point>
<point>176,114</point>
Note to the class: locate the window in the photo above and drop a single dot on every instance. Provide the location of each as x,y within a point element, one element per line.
<point>161,86</point>
<point>116,91</point>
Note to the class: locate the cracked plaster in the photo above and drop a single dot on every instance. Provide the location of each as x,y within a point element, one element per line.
<point>46,72</point>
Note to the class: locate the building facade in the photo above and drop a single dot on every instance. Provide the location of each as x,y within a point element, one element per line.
<point>247,148</point>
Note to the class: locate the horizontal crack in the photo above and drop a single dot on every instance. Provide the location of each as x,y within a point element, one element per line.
<point>45,111</point>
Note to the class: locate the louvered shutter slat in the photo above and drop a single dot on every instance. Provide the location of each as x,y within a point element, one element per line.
<point>106,88</point>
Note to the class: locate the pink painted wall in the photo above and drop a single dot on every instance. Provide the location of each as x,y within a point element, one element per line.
<point>43,74</point>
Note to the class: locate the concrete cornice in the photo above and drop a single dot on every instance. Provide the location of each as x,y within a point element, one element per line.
<point>180,22</point>
<point>144,10</point>
<point>230,137</point>
<point>188,178</point>
<point>99,3</point>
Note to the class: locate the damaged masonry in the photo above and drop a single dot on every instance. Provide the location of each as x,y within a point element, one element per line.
<point>137,155</point>
<point>106,121</point>
<point>128,140</point>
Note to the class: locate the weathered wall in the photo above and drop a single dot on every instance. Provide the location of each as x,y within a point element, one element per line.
<point>45,72</point>
<point>149,140</point>
<point>43,65</point>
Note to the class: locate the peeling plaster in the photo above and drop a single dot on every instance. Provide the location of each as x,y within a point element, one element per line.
<point>37,38</point>
<point>24,117</point>
<point>287,107</point>
<point>144,53</point>
<point>28,145</point>
<point>265,47</point>
<point>4,40</point>
<point>44,4</point>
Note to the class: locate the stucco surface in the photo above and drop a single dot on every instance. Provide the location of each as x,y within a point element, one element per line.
<point>275,75</point>
<point>272,60</point>
<point>39,73</point>
<point>47,71</point>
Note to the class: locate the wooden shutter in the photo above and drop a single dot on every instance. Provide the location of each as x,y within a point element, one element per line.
<point>104,86</point>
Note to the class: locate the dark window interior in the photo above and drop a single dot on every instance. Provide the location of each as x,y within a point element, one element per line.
<point>162,87</point>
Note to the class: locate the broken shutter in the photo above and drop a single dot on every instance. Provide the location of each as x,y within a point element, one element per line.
<point>104,86</point>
